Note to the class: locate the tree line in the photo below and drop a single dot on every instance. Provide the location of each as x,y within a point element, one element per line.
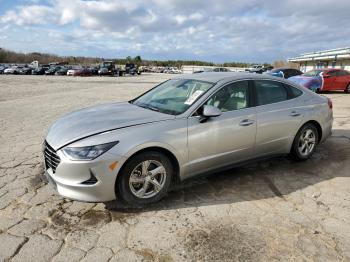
<point>7,56</point>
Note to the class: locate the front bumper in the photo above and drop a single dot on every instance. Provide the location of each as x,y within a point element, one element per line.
<point>89,181</point>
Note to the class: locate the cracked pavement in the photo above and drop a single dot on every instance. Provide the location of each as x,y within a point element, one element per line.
<point>267,211</point>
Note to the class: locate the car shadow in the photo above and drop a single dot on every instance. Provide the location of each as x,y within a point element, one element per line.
<point>332,92</point>
<point>272,178</point>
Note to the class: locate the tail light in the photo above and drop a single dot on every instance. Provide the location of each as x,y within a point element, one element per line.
<point>330,104</point>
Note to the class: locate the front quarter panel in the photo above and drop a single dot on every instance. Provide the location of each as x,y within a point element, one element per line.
<point>170,135</point>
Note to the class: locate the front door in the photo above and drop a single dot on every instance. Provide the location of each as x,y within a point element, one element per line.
<point>329,79</point>
<point>225,139</point>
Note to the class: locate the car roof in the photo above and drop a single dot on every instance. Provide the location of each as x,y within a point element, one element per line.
<point>215,77</point>
<point>285,68</point>
<point>333,69</point>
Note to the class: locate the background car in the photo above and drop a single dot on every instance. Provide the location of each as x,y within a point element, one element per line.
<point>2,68</point>
<point>52,70</point>
<point>255,69</point>
<point>62,71</point>
<point>324,80</point>
<point>104,71</point>
<point>13,70</point>
<point>258,69</point>
<point>40,70</point>
<point>94,70</point>
<point>71,71</point>
<point>82,72</point>
<point>284,72</point>
<point>25,70</point>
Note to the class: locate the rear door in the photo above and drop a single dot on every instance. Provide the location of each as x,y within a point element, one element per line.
<point>278,116</point>
<point>225,139</point>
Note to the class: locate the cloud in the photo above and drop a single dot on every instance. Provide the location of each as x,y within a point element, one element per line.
<point>29,15</point>
<point>212,30</point>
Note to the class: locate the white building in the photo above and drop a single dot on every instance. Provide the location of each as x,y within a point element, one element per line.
<point>333,58</point>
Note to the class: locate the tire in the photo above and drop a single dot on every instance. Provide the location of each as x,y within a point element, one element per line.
<point>305,142</point>
<point>347,89</point>
<point>138,188</point>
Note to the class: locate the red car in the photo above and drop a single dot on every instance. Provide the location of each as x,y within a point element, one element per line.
<point>324,80</point>
<point>82,72</point>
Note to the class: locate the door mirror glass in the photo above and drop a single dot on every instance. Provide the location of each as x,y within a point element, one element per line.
<point>211,111</point>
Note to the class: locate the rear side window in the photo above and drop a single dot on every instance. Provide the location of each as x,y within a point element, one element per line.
<point>269,92</point>
<point>342,73</point>
<point>293,92</point>
<point>332,73</point>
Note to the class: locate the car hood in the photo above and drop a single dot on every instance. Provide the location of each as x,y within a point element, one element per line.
<point>98,119</point>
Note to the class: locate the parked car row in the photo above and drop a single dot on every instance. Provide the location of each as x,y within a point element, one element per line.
<point>162,69</point>
<point>212,69</point>
<point>106,68</point>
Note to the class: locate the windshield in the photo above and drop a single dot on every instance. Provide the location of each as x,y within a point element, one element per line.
<point>173,96</point>
<point>275,70</point>
<point>313,73</point>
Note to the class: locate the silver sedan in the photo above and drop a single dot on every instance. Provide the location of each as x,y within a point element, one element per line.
<point>186,126</point>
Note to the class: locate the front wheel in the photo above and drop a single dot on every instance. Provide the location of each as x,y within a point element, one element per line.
<point>305,141</point>
<point>347,89</point>
<point>145,179</point>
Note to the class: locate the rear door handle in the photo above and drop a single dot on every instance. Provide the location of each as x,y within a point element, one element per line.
<point>294,113</point>
<point>246,122</point>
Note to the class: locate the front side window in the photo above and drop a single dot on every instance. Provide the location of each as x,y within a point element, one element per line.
<point>174,96</point>
<point>269,92</point>
<point>231,97</point>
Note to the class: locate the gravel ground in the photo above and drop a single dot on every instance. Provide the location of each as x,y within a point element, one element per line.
<point>269,211</point>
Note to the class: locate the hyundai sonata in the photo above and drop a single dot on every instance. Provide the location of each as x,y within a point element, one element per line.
<point>186,126</point>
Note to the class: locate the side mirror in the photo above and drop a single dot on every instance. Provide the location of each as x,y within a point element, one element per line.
<point>326,76</point>
<point>209,111</point>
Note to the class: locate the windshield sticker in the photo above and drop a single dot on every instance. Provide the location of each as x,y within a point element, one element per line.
<point>193,97</point>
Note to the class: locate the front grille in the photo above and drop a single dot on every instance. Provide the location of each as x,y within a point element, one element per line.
<point>51,158</point>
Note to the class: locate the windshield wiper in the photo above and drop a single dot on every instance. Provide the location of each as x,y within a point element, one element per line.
<point>152,108</point>
<point>148,107</point>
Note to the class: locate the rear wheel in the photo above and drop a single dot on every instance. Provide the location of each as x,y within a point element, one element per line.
<point>145,178</point>
<point>347,89</point>
<point>305,142</point>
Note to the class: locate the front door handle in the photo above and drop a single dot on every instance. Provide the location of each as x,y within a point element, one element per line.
<point>294,113</point>
<point>246,122</point>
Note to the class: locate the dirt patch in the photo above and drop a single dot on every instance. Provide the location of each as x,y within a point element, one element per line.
<point>38,181</point>
<point>94,218</point>
<point>226,243</point>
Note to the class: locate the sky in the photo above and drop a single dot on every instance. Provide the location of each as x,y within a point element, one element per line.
<point>217,31</point>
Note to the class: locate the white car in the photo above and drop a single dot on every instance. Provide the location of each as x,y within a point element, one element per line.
<point>11,70</point>
<point>70,72</point>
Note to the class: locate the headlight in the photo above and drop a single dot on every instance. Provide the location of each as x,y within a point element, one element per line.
<point>87,152</point>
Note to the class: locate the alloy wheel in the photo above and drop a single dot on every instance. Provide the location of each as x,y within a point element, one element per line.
<point>307,141</point>
<point>147,179</point>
